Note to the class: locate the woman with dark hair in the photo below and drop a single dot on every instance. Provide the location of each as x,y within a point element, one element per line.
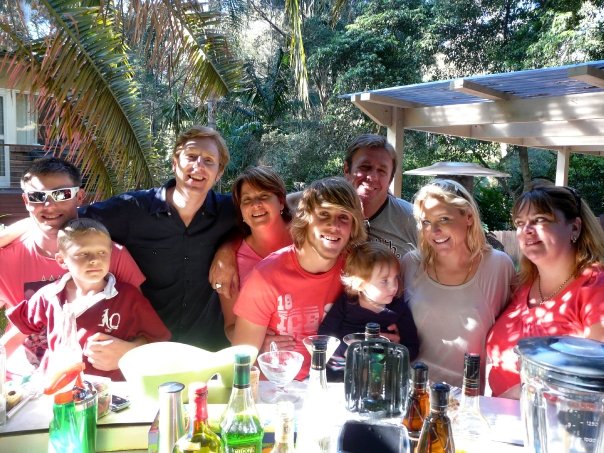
<point>561,280</point>
<point>263,216</point>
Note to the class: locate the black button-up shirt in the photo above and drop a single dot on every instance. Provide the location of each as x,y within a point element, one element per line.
<point>174,258</point>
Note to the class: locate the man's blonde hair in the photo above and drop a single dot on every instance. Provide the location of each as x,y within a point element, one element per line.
<point>76,228</point>
<point>204,132</point>
<point>332,192</point>
<point>362,261</point>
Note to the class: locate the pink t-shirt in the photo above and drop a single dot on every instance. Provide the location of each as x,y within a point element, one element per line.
<point>579,306</point>
<point>282,296</point>
<point>120,310</point>
<point>24,270</point>
<point>246,261</point>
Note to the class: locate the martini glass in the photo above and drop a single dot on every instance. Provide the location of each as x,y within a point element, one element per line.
<point>332,344</point>
<point>280,367</point>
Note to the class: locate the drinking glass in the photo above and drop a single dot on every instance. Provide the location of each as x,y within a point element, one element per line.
<point>280,367</point>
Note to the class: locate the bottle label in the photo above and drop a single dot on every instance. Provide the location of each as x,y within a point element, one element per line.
<point>243,449</point>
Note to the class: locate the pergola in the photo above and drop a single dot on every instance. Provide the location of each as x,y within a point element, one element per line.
<point>559,109</point>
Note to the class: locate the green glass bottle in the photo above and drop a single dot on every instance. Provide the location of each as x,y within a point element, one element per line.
<point>240,426</point>
<point>200,438</point>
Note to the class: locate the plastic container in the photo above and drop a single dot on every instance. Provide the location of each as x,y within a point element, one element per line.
<point>562,394</point>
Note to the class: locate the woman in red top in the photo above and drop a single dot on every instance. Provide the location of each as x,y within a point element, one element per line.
<point>561,281</point>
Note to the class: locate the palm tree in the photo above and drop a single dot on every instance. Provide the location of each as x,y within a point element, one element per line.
<point>77,58</point>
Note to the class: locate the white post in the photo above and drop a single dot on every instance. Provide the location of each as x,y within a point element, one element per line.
<point>562,167</point>
<point>396,137</point>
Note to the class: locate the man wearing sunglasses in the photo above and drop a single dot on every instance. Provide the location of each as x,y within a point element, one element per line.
<point>52,194</point>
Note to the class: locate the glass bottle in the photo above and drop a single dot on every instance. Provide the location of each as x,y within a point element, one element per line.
<point>200,438</point>
<point>314,427</point>
<point>470,429</point>
<point>436,435</point>
<point>372,331</point>
<point>240,426</point>
<point>284,429</point>
<point>418,405</point>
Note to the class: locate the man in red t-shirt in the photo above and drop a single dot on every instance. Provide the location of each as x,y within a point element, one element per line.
<point>287,292</point>
<point>51,193</point>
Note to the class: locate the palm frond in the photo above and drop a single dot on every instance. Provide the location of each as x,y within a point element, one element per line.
<point>85,83</point>
<point>298,61</point>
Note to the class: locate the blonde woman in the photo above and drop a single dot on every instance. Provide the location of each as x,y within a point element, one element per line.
<point>455,283</point>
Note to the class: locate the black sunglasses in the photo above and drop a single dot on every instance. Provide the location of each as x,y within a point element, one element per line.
<point>40,196</point>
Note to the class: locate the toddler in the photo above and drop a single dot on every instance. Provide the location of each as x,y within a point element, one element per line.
<point>372,294</point>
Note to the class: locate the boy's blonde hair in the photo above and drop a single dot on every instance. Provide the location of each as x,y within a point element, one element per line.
<point>361,262</point>
<point>77,228</point>
<point>329,193</point>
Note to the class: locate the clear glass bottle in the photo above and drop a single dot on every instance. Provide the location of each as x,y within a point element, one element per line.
<point>372,331</point>
<point>200,438</point>
<point>240,427</point>
<point>418,405</point>
<point>314,427</point>
<point>436,435</point>
<point>284,429</point>
<point>470,429</point>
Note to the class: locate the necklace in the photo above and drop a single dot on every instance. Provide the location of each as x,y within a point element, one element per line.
<point>464,280</point>
<point>555,293</point>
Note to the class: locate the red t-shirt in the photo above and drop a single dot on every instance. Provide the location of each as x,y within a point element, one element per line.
<point>578,307</point>
<point>24,270</point>
<point>120,311</point>
<point>282,296</point>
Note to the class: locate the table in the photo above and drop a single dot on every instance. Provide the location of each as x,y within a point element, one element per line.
<point>128,430</point>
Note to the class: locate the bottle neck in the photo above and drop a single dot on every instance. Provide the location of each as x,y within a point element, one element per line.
<point>284,434</point>
<point>469,395</point>
<point>200,414</point>
<point>318,376</point>
<point>241,378</point>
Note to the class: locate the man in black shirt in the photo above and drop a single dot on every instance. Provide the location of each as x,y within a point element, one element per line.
<point>173,231</point>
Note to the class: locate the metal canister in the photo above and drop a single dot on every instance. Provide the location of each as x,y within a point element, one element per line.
<point>171,415</point>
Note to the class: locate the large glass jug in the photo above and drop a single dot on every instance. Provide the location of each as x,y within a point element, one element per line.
<point>562,395</point>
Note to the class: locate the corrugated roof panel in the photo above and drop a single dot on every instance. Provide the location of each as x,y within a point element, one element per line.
<point>523,84</point>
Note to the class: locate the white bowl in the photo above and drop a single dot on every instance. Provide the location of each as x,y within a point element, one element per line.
<point>148,366</point>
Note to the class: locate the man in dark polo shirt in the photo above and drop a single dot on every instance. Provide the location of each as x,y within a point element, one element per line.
<point>173,231</point>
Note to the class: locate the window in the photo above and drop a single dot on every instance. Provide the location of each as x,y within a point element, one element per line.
<point>18,126</point>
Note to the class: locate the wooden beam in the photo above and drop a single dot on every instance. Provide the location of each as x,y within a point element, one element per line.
<point>380,114</point>
<point>475,89</point>
<point>388,100</point>
<point>396,137</point>
<point>565,141</point>
<point>562,167</point>
<point>578,128</point>
<point>587,74</point>
<point>559,108</point>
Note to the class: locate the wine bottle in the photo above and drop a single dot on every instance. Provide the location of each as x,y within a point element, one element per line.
<point>200,438</point>
<point>240,426</point>
<point>314,427</point>
<point>284,429</point>
<point>470,429</point>
<point>418,406</point>
<point>436,435</point>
